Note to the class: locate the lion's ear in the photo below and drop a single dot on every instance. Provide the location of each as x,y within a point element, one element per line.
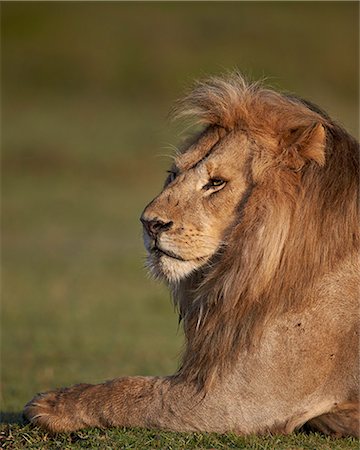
<point>304,143</point>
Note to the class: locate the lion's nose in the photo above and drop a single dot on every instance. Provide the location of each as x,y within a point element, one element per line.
<point>155,226</point>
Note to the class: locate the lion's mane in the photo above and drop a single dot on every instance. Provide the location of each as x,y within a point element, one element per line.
<point>293,226</point>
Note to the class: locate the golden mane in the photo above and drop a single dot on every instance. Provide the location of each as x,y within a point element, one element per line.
<point>293,225</point>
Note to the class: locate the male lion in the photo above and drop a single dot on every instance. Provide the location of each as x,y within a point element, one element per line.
<point>256,233</point>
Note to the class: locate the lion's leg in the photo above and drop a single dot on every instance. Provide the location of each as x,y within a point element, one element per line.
<point>344,420</point>
<point>166,403</point>
<point>150,402</point>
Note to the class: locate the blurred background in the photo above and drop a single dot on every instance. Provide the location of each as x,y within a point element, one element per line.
<point>86,88</point>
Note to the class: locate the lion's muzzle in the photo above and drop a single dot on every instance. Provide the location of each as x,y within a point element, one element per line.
<point>154,227</point>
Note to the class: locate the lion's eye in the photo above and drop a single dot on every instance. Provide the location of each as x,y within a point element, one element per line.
<point>215,183</point>
<point>171,177</point>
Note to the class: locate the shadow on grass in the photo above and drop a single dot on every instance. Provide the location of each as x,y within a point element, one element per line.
<point>12,418</point>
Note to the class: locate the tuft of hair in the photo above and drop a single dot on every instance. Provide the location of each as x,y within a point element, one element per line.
<point>231,101</point>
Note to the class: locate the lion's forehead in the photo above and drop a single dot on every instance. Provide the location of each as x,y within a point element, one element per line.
<point>198,150</point>
<point>214,145</point>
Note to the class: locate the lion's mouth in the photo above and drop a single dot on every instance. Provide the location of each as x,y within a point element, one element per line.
<point>157,251</point>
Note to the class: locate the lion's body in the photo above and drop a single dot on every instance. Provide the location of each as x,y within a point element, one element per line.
<point>256,232</point>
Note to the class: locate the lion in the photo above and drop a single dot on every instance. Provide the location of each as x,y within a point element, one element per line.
<point>256,233</point>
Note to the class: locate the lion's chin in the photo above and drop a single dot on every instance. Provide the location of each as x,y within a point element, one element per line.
<point>171,269</point>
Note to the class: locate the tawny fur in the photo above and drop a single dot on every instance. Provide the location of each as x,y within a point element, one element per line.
<point>263,264</point>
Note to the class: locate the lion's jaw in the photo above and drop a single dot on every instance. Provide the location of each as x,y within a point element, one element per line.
<point>167,260</point>
<point>185,225</point>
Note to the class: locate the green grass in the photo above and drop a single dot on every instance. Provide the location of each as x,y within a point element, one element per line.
<point>85,92</point>
<point>16,437</point>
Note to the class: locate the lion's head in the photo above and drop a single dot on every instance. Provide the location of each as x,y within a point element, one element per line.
<point>252,136</point>
<point>186,224</point>
<point>259,206</point>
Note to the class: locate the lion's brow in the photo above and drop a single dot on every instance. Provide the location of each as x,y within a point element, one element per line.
<point>199,151</point>
<point>212,149</point>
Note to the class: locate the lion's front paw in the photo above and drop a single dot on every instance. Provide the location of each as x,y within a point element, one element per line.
<point>54,411</point>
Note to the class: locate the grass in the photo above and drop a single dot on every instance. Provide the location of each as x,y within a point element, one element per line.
<point>25,437</point>
<point>85,92</point>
